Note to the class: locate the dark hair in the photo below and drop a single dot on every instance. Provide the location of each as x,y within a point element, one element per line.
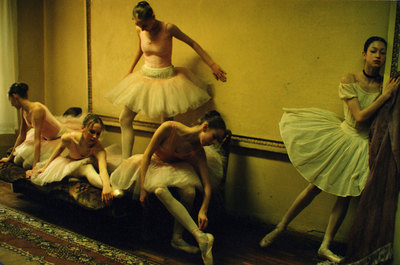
<point>142,10</point>
<point>91,119</point>
<point>73,111</point>
<point>371,40</point>
<point>21,89</point>
<point>214,120</point>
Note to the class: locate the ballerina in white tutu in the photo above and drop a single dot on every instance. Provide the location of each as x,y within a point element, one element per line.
<point>332,153</point>
<point>38,144</point>
<point>84,149</point>
<point>175,157</point>
<point>159,90</point>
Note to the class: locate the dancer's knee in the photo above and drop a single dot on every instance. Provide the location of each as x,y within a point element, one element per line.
<point>18,160</point>
<point>160,192</point>
<point>188,193</point>
<point>126,117</point>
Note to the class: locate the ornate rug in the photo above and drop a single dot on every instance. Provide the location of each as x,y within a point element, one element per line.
<point>28,240</point>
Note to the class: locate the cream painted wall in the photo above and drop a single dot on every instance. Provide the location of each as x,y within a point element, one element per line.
<point>259,184</point>
<point>65,55</point>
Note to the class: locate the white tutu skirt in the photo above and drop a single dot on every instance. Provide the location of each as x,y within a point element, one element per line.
<point>162,174</point>
<point>25,151</point>
<point>58,169</point>
<point>325,150</point>
<point>158,93</point>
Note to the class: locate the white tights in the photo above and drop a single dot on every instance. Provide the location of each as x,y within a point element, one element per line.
<point>178,211</point>
<point>90,173</point>
<point>127,134</point>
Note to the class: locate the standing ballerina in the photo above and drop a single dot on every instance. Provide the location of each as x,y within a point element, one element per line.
<point>37,145</point>
<point>159,90</point>
<point>332,153</point>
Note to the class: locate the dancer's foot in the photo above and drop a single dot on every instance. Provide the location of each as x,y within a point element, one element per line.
<point>270,237</point>
<point>118,193</point>
<point>327,254</point>
<point>206,249</point>
<point>181,244</point>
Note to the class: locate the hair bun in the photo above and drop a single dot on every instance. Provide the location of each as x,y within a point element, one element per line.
<point>212,113</point>
<point>142,4</point>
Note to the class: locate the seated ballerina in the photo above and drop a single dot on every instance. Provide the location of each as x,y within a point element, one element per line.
<point>175,157</point>
<point>83,147</point>
<point>38,144</point>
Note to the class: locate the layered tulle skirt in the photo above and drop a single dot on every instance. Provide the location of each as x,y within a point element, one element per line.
<point>58,169</point>
<point>24,152</point>
<point>163,174</point>
<point>160,92</point>
<point>325,150</point>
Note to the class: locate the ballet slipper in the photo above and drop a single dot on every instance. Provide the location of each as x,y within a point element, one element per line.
<point>118,193</point>
<point>73,179</point>
<point>329,255</point>
<point>270,237</point>
<point>181,244</point>
<point>206,249</point>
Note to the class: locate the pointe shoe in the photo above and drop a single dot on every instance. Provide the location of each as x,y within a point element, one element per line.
<point>181,244</point>
<point>329,255</point>
<point>118,193</point>
<point>206,250</point>
<point>270,238</point>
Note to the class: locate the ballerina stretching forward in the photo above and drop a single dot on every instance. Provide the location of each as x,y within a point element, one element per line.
<point>175,157</point>
<point>159,90</point>
<point>83,147</point>
<point>330,153</point>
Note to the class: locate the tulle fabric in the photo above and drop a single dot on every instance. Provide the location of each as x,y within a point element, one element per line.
<point>58,169</point>
<point>163,174</point>
<point>160,92</point>
<point>326,150</point>
<point>25,151</point>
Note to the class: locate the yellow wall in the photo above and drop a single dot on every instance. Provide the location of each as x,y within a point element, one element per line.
<point>259,184</point>
<point>277,53</point>
<point>31,47</point>
<point>65,55</point>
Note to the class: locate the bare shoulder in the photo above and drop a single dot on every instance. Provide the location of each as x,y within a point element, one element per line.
<point>180,127</point>
<point>172,29</point>
<point>348,78</point>
<point>165,128</point>
<point>38,108</point>
<point>68,137</point>
<point>170,26</point>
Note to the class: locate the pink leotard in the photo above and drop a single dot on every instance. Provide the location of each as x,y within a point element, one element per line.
<point>167,153</point>
<point>157,50</point>
<point>75,155</point>
<point>50,125</point>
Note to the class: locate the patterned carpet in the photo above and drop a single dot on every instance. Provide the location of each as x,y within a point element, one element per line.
<point>28,240</point>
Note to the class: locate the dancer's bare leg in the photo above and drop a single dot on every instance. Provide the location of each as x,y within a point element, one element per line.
<point>127,134</point>
<point>301,202</point>
<point>335,220</point>
<point>180,213</point>
<point>187,196</point>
